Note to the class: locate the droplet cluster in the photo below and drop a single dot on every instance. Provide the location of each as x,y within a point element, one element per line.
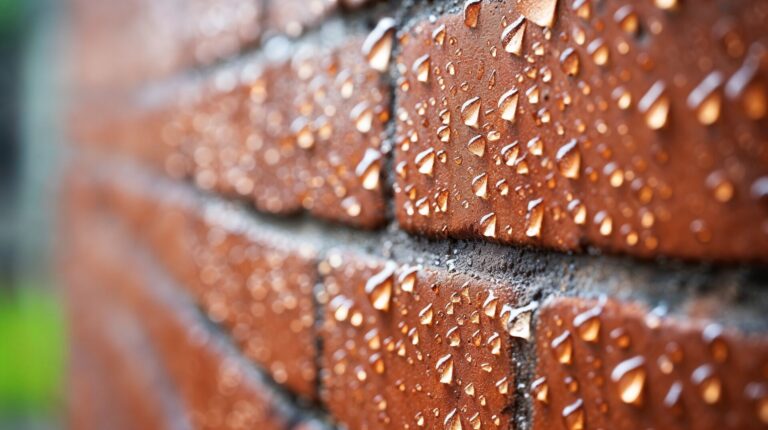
<point>300,134</point>
<point>412,347</point>
<point>563,123</point>
<point>601,363</point>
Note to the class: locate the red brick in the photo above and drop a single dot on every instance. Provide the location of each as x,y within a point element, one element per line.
<point>118,45</point>
<point>112,370</point>
<point>218,389</point>
<point>585,171</point>
<point>257,285</point>
<point>387,356</point>
<point>689,373</point>
<point>304,133</point>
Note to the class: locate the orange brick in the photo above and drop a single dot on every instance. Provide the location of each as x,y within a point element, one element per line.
<point>118,45</point>
<point>588,124</point>
<point>412,347</point>
<point>258,286</point>
<point>218,388</point>
<point>605,364</point>
<point>300,134</point>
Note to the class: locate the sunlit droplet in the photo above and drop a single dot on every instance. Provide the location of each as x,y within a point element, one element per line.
<point>471,13</point>
<point>512,36</point>
<point>654,105</point>
<point>377,47</point>
<point>629,375</point>
<point>508,105</point>
<point>470,112</point>
<point>444,369</point>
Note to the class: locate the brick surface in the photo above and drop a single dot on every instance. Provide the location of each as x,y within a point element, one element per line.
<point>112,370</point>
<point>413,348</point>
<point>120,44</point>
<point>564,124</point>
<point>604,364</point>
<point>248,281</point>
<point>218,389</point>
<point>292,17</point>
<point>304,133</point>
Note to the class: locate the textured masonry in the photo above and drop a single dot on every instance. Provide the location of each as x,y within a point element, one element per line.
<point>517,214</point>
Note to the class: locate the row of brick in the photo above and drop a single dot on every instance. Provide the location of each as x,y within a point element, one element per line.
<point>412,346</point>
<point>122,44</point>
<point>565,126</point>
<point>146,357</point>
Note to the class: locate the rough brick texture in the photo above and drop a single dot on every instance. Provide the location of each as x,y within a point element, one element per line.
<point>508,214</point>
<point>414,347</point>
<point>596,125</point>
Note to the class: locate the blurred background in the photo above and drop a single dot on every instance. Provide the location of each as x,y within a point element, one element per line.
<point>32,347</point>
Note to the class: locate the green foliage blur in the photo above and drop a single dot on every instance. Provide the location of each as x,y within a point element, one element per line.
<point>31,351</point>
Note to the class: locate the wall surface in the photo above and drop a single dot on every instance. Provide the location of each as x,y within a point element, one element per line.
<point>520,214</point>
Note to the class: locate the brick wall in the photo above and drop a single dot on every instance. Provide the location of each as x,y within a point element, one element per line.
<point>520,214</point>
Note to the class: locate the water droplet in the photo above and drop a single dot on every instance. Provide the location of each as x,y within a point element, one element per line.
<point>476,145</point>
<point>722,188</point>
<point>407,279</point>
<point>490,304</point>
<point>569,159</point>
<point>379,287</point>
<point>604,222</point>
<point>599,52</point>
<point>540,390</point>
<point>709,385</point>
<point>470,389</point>
<point>535,218</point>
<point>304,136</point>
<point>494,342</point>
<point>666,4</point>
<point>438,35</point>
<point>444,133</point>
<point>351,206</point>
<point>706,100</point>
<point>588,325</point>
<point>426,315</point>
<point>508,105</point>
<point>503,385</point>
<point>629,375</point>
<point>454,337</point>
<point>480,186</point>
<point>453,421</point>
<point>368,169</point>
<point>471,13</point>
<point>470,112</point>
<point>419,419</point>
<point>579,212</point>
<point>562,346</point>
<point>713,336</point>
<point>341,308</point>
<point>421,68</point>
<point>377,363</point>
<point>569,62</point>
<point>425,161</point>
<point>362,115</point>
<point>540,12</point>
<point>377,47</point>
<point>488,225</point>
<point>536,146</point>
<point>627,19</point>
<point>518,320</point>
<point>512,36</point>
<point>444,369</point>
<point>623,98</point>
<point>654,105</point>
<point>573,415</point>
<point>509,154</point>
